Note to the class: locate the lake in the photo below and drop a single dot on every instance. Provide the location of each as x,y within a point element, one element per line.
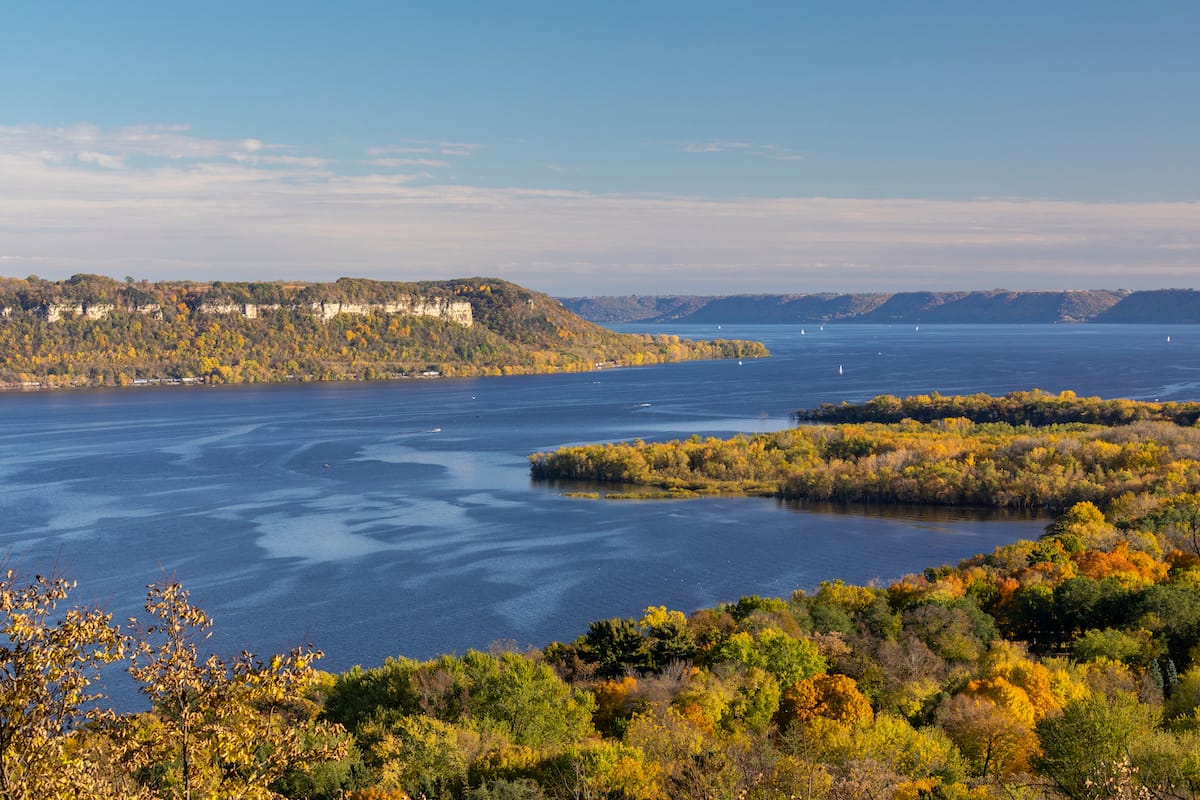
<point>377,519</point>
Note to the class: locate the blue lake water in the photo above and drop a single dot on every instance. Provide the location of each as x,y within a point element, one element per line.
<point>378,519</point>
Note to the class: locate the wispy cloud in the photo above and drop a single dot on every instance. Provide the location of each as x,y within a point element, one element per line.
<point>159,202</point>
<point>393,163</point>
<point>114,148</point>
<point>715,147</point>
<point>101,159</point>
<point>771,151</point>
<point>417,147</point>
<point>397,150</point>
<point>167,141</point>
<point>308,162</point>
<point>457,148</point>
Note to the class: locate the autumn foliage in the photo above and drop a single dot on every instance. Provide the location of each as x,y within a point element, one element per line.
<point>945,461</point>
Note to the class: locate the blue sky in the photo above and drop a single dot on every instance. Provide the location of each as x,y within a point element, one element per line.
<point>606,147</point>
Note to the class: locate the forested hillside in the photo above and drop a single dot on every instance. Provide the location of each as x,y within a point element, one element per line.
<point>1067,667</point>
<point>94,331</point>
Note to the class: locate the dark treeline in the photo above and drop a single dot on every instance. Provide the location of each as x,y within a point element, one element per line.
<point>1016,408</point>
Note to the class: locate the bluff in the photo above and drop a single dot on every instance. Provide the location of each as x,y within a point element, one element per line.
<point>1178,306</point>
<point>91,330</point>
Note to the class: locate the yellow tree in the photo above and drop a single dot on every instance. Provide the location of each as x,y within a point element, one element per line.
<point>220,729</point>
<point>833,697</point>
<point>47,667</point>
<point>994,740</point>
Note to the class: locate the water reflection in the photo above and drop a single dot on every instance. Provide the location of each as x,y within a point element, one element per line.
<point>925,513</point>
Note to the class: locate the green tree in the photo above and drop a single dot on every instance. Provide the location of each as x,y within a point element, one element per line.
<point>1085,751</point>
<point>667,635</point>
<point>1114,645</point>
<point>616,645</point>
<point>503,789</point>
<point>788,659</point>
<point>526,701</point>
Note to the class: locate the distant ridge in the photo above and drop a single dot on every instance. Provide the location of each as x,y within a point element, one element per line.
<point>1176,306</point>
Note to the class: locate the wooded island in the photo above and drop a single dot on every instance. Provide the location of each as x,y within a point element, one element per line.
<point>1041,452</point>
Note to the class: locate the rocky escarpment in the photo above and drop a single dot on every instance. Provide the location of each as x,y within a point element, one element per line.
<point>457,311</point>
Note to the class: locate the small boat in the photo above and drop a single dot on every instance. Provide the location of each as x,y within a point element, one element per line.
<point>839,369</point>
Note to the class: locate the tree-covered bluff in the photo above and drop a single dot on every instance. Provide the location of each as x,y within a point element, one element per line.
<point>94,331</point>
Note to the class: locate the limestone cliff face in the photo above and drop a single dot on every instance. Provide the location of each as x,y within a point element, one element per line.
<point>457,311</point>
<point>452,310</point>
<point>56,311</point>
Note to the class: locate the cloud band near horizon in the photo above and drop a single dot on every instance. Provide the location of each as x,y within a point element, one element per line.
<point>160,203</point>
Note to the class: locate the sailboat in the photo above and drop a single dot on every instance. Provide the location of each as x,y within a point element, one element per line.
<point>839,369</point>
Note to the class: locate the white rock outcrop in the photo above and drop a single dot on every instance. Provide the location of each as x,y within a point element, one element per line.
<point>56,311</point>
<point>457,311</point>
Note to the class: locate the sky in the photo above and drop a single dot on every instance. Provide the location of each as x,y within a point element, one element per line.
<point>606,148</point>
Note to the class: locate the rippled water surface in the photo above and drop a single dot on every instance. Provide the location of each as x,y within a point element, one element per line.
<point>398,518</point>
